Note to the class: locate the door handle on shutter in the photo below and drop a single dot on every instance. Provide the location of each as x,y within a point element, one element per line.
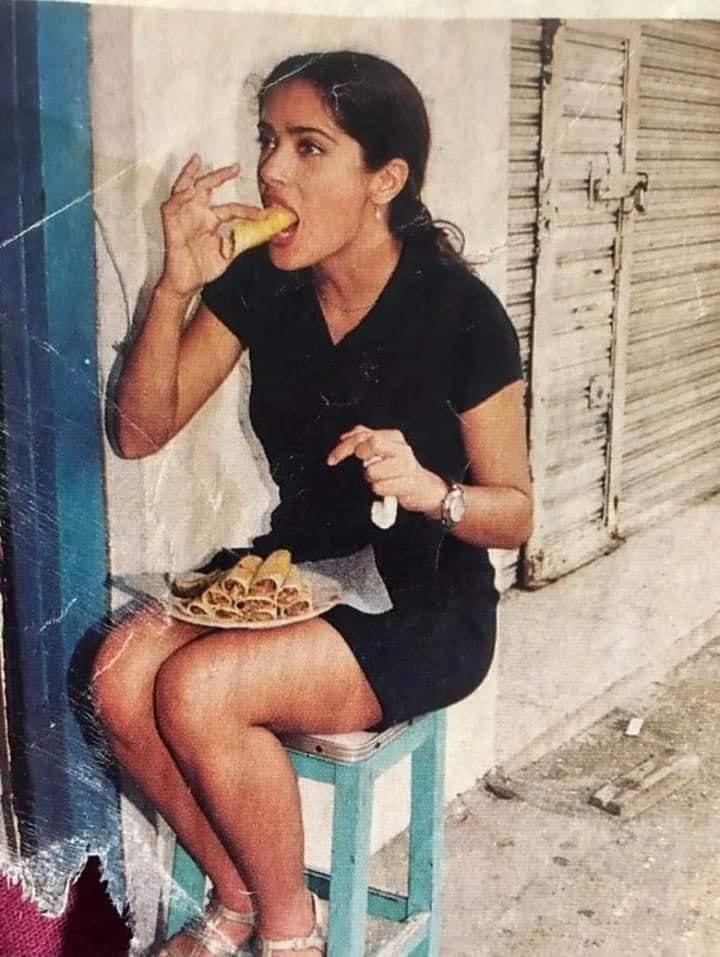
<point>639,193</point>
<point>630,188</point>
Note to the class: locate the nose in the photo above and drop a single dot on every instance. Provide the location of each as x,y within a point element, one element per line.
<point>275,168</point>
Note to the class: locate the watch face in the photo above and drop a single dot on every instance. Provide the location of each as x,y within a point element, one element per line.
<point>456,506</point>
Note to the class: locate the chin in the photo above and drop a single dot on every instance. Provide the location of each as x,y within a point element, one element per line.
<point>281,260</point>
<point>289,257</point>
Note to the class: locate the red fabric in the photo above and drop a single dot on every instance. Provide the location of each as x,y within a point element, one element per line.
<point>89,927</point>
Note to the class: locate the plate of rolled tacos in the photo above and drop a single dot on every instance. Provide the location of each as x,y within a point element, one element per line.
<point>254,593</point>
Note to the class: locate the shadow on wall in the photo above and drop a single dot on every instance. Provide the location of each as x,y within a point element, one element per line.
<point>152,225</point>
<point>133,304</point>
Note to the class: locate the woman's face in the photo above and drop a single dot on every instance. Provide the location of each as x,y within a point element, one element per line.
<point>310,165</point>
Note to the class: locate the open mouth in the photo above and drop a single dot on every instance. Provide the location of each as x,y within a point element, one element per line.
<point>278,223</point>
<point>276,205</point>
<point>286,235</point>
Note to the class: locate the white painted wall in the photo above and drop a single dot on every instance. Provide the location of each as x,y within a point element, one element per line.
<point>166,83</point>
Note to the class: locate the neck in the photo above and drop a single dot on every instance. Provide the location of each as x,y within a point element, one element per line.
<point>351,285</point>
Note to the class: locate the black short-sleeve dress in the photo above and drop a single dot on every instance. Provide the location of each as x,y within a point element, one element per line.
<point>436,343</point>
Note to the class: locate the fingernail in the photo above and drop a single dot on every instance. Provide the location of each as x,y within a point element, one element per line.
<point>331,460</point>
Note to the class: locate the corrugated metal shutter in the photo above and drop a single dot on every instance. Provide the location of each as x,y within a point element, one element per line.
<point>672,415</point>
<point>525,106</point>
<point>586,176</point>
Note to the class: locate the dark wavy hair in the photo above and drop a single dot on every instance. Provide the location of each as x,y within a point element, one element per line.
<point>376,104</point>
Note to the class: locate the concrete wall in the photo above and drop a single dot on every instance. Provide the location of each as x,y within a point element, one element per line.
<point>166,83</point>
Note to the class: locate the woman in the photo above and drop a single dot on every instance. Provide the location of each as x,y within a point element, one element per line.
<point>381,367</point>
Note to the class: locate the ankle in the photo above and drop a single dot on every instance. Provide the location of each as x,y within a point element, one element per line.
<point>240,901</point>
<point>295,917</point>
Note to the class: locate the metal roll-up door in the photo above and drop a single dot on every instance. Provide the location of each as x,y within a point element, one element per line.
<point>671,441</point>
<point>526,66</point>
<point>588,189</point>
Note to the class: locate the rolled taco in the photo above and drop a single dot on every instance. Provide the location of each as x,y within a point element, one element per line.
<point>252,602</point>
<point>215,597</point>
<point>229,614</point>
<point>258,614</point>
<point>270,576</point>
<point>254,232</point>
<point>236,581</point>
<point>294,588</point>
<point>196,607</point>
<point>257,609</point>
<point>299,607</point>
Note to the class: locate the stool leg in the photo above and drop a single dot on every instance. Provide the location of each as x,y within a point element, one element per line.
<point>352,817</point>
<point>426,833</point>
<point>187,890</point>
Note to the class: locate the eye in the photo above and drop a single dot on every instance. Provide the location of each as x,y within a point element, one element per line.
<point>266,141</point>
<point>307,147</point>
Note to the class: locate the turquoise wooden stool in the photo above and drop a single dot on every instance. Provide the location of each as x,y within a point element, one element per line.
<point>352,763</point>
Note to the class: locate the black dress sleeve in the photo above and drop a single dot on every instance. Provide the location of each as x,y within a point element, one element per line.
<point>232,297</point>
<point>487,353</point>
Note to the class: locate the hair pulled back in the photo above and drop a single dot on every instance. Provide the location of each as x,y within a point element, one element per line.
<point>376,104</point>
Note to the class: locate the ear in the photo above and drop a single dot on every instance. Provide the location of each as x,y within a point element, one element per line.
<point>388,181</point>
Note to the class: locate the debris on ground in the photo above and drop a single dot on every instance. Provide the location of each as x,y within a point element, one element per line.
<point>634,727</point>
<point>458,811</point>
<point>499,784</point>
<point>646,783</point>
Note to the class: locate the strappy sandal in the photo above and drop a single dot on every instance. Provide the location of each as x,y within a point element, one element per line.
<point>317,938</point>
<point>209,939</point>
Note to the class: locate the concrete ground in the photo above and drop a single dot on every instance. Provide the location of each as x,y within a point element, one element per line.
<point>548,874</point>
<point>573,650</point>
<point>545,874</point>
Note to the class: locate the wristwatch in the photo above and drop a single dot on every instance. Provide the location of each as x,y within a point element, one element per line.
<point>452,507</point>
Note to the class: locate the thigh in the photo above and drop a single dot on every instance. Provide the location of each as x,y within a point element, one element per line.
<point>301,677</point>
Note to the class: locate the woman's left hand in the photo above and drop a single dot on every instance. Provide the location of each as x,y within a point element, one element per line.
<point>391,468</point>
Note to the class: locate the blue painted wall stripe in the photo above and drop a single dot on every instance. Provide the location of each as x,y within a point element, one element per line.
<point>52,415</point>
<point>29,499</point>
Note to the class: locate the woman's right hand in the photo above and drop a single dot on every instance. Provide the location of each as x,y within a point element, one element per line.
<point>194,253</point>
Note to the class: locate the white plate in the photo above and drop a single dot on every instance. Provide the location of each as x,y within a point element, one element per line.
<point>325,592</point>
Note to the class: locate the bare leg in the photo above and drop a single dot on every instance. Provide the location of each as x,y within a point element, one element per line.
<point>219,703</point>
<point>123,688</point>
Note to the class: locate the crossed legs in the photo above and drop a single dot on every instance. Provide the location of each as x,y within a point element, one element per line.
<point>192,716</point>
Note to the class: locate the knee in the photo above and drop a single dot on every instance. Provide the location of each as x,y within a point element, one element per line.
<point>197,712</point>
<point>118,677</point>
<point>182,710</point>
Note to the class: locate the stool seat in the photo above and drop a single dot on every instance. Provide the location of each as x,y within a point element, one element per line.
<point>351,763</point>
<point>348,747</point>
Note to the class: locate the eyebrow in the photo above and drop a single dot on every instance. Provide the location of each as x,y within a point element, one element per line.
<point>299,130</point>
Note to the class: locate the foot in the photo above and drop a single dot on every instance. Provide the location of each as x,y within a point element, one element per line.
<point>311,943</point>
<point>219,932</point>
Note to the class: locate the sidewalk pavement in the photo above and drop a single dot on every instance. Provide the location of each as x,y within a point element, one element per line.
<point>548,875</point>
<point>576,648</point>
<point>545,874</point>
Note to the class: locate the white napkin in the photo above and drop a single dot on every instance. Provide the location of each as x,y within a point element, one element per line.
<point>383,512</point>
<point>358,578</point>
<point>356,575</point>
